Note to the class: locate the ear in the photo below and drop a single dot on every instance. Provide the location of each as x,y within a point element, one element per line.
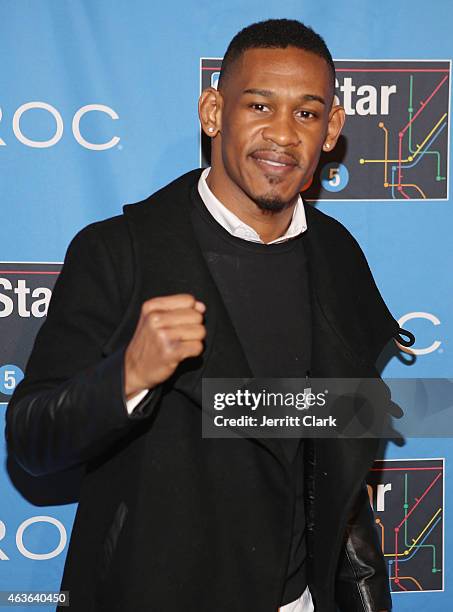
<point>337,118</point>
<point>210,107</point>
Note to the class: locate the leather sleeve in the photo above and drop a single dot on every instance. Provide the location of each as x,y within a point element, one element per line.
<point>70,406</point>
<point>362,583</point>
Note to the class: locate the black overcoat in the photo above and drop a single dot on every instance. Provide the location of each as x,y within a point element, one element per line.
<point>167,520</point>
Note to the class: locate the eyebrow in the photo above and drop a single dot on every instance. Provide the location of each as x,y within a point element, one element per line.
<point>267,93</point>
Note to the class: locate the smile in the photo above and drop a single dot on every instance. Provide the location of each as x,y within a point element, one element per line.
<point>272,163</point>
<point>272,167</point>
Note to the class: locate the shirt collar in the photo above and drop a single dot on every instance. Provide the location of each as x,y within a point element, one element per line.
<point>231,222</point>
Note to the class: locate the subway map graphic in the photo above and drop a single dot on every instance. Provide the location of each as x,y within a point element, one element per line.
<point>407,497</point>
<point>395,142</point>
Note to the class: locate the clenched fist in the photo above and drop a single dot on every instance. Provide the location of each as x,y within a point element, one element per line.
<point>169,330</point>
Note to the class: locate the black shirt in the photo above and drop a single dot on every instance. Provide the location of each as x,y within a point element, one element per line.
<point>265,290</point>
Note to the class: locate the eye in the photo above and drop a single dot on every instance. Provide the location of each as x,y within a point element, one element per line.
<point>261,108</point>
<point>304,114</point>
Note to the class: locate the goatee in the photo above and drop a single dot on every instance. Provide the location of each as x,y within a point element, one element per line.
<point>271,205</point>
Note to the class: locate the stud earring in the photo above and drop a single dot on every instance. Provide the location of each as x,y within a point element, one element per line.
<point>327,145</point>
<point>210,129</point>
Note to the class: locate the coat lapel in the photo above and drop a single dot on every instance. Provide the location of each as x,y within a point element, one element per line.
<point>346,298</point>
<point>171,262</point>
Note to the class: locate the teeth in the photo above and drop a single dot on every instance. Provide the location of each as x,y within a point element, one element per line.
<point>272,163</point>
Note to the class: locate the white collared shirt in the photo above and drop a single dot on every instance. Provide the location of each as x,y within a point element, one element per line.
<point>231,222</point>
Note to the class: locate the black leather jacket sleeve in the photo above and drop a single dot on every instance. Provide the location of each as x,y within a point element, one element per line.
<point>70,406</point>
<point>362,583</point>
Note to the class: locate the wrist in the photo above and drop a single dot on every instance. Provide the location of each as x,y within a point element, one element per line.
<point>132,385</point>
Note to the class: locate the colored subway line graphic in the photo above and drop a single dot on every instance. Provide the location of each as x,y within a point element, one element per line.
<point>407,497</point>
<point>420,149</point>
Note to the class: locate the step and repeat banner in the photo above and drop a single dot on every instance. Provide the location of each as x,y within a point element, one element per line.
<point>98,108</point>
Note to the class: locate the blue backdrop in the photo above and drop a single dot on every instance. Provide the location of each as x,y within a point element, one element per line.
<point>99,108</point>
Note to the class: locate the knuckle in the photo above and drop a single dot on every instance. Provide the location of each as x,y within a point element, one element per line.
<point>170,354</point>
<point>163,337</point>
<point>144,308</point>
<point>188,299</point>
<point>195,347</point>
<point>155,318</point>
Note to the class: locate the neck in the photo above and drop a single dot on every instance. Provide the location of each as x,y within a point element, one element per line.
<point>269,225</point>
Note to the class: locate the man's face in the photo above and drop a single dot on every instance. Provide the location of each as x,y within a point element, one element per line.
<point>275,118</point>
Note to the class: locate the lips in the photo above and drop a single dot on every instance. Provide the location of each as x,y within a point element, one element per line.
<point>273,161</point>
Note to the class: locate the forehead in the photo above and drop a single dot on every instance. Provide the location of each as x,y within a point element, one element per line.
<point>273,68</point>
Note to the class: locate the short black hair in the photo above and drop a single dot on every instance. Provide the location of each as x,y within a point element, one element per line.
<point>275,34</point>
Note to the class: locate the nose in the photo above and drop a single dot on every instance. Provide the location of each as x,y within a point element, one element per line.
<point>281,129</point>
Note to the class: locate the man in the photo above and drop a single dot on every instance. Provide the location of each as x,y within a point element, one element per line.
<point>220,274</point>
